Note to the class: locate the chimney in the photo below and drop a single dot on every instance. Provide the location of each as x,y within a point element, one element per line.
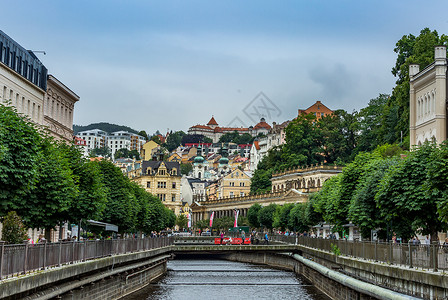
<point>440,52</point>
<point>413,69</point>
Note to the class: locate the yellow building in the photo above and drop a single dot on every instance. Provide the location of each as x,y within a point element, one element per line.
<point>175,158</point>
<point>162,179</point>
<point>234,184</point>
<point>149,149</point>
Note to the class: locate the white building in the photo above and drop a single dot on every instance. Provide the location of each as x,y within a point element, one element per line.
<point>23,79</point>
<point>94,138</point>
<point>428,94</point>
<point>24,84</point>
<point>125,140</point>
<point>254,156</point>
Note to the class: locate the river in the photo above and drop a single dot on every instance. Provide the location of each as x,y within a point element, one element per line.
<point>221,279</point>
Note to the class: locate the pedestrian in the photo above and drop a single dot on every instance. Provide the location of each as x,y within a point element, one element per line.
<point>266,238</point>
<point>251,238</point>
<point>222,236</point>
<point>243,237</point>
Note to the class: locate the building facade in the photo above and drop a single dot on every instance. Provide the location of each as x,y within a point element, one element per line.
<point>162,179</point>
<point>125,140</point>
<point>234,184</point>
<point>428,96</point>
<point>213,131</point>
<point>26,85</point>
<point>317,109</point>
<point>94,138</point>
<point>59,106</point>
<point>23,79</point>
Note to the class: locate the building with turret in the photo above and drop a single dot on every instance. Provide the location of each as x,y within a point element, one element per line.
<point>213,131</point>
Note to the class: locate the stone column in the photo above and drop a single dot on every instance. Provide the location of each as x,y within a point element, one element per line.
<point>413,70</point>
<point>441,66</point>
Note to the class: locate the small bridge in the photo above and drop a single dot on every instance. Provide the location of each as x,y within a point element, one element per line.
<point>220,249</point>
<point>206,245</point>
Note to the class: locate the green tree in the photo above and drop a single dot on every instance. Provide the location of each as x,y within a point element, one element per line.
<point>174,140</point>
<point>338,136</point>
<point>19,143</point>
<point>297,220</point>
<point>266,215</point>
<point>303,143</point>
<point>261,180</point>
<point>281,216</point>
<point>13,232</point>
<point>121,153</point>
<point>328,201</point>
<point>182,221</point>
<point>437,173</point>
<point>404,199</point>
<point>252,215</point>
<point>91,198</point>
<point>312,216</point>
<point>370,124</point>
<point>156,139</point>
<point>122,205</point>
<point>143,134</point>
<point>363,210</point>
<point>126,153</point>
<point>103,152</point>
<point>185,169</point>
<point>410,50</point>
<point>49,201</point>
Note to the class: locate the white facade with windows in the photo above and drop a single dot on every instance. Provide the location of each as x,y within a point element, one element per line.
<point>94,138</point>
<point>428,94</point>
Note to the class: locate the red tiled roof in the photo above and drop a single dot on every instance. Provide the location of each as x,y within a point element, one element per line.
<point>257,146</point>
<point>201,127</point>
<point>262,125</point>
<point>212,121</point>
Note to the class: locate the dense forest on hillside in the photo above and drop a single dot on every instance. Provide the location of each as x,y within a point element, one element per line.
<point>103,126</point>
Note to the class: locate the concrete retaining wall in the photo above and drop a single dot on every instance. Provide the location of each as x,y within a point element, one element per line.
<point>424,284</point>
<point>120,274</point>
<point>332,283</point>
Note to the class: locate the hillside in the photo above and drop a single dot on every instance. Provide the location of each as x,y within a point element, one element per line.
<point>103,126</point>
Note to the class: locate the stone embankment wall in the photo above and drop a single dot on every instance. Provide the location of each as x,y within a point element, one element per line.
<point>105,278</point>
<point>332,282</point>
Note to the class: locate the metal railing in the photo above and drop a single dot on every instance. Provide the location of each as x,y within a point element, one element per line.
<point>24,258</point>
<point>434,256</point>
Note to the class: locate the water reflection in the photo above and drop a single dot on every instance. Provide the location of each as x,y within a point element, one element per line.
<point>219,279</point>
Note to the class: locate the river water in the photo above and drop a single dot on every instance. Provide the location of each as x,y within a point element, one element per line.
<point>220,279</point>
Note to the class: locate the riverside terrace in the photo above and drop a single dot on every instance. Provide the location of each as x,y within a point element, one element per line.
<point>413,270</point>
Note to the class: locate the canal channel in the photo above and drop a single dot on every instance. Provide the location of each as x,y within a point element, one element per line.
<point>221,279</point>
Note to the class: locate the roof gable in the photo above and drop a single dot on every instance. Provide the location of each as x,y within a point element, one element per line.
<point>212,121</point>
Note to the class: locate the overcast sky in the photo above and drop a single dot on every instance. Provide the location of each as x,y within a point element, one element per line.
<point>173,64</point>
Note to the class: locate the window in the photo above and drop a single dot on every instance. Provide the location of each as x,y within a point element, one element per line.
<point>161,197</point>
<point>148,184</point>
<point>161,184</point>
<point>174,185</point>
<point>242,194</point>
<point>241,183</point>
<point>231,194</point>
<point>173,197</point>
<point>161,172</point>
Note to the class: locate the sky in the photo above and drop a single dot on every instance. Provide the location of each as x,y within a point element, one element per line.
<point>168,65</point>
